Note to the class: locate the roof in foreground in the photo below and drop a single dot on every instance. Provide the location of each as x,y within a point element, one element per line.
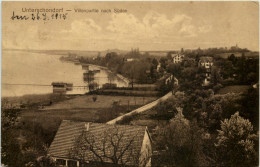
<point>69,131</point>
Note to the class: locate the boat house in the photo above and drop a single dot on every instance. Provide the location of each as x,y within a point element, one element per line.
<point>61,87</point>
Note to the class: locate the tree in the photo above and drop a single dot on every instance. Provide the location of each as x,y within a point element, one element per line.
<point>250,106</point>
<point>215,117</point>
<point>32,158</point>
<point>174,69</point>
<point>252,78</point>
<point>10,148</point>
<point>236,142</point>
<point>45,161</point>
<point>191,78</point>
<point>155,62</point>
<point>169,56</point>
<point>163,61</point>
<point>215,76</point>
<point>166,109</point>
<point>115,147</point>
<point>134,53</point>
<point>153,73</point>
<point>242,69</point>
<point>182,141</point>
<point>232,58</point>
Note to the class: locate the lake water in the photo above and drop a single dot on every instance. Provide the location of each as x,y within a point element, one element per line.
<point>32,73</point>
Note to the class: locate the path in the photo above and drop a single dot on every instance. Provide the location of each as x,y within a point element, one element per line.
<point>142,109</point>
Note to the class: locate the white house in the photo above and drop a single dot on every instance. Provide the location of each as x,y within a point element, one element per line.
<point>158,67</point>
<point>130,59</point>
<point>207,63</point>
<point>170,79</point>
<point>135,141</point>
<point>177,57</point>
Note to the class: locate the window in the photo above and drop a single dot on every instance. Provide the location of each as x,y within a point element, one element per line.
<point>81,164</point>
<point>60,162</point>
<point>72,163</point>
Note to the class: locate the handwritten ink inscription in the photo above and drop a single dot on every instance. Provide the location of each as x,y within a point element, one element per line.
<point>40,16</point>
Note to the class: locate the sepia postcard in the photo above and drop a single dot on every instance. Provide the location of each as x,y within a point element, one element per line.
<point>127,84</point>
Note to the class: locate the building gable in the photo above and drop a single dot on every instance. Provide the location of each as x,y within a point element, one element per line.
<point>69,131</point>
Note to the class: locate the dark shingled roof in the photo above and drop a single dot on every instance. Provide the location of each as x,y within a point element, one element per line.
<point>177,54</point>
<point>206,59</point>
<point>69,131</point>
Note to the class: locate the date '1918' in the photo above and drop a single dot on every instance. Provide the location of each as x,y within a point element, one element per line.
<point>40,16</point>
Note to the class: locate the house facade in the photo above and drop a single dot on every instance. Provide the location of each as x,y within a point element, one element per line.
<point>177,57</point>
<point>171,79</point>
<point>207,63</point>
<point>130,59</point>
<point>158,67</point>
<point>134,145</point>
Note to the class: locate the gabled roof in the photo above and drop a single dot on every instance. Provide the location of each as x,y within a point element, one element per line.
<point>206,59</point>
<point>177,54</point>
<point>69,131</point>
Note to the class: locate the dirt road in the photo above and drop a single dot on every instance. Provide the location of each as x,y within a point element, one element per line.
<point>142,109</point>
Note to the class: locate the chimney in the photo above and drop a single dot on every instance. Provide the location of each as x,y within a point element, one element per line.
<point>87,126</point>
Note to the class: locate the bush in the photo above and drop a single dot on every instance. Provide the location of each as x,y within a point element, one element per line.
<point>228,82</point>
<point>126,119</point>
<point>217,87</point>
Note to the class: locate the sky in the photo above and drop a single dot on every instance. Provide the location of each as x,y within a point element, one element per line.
<point>149,26</point>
